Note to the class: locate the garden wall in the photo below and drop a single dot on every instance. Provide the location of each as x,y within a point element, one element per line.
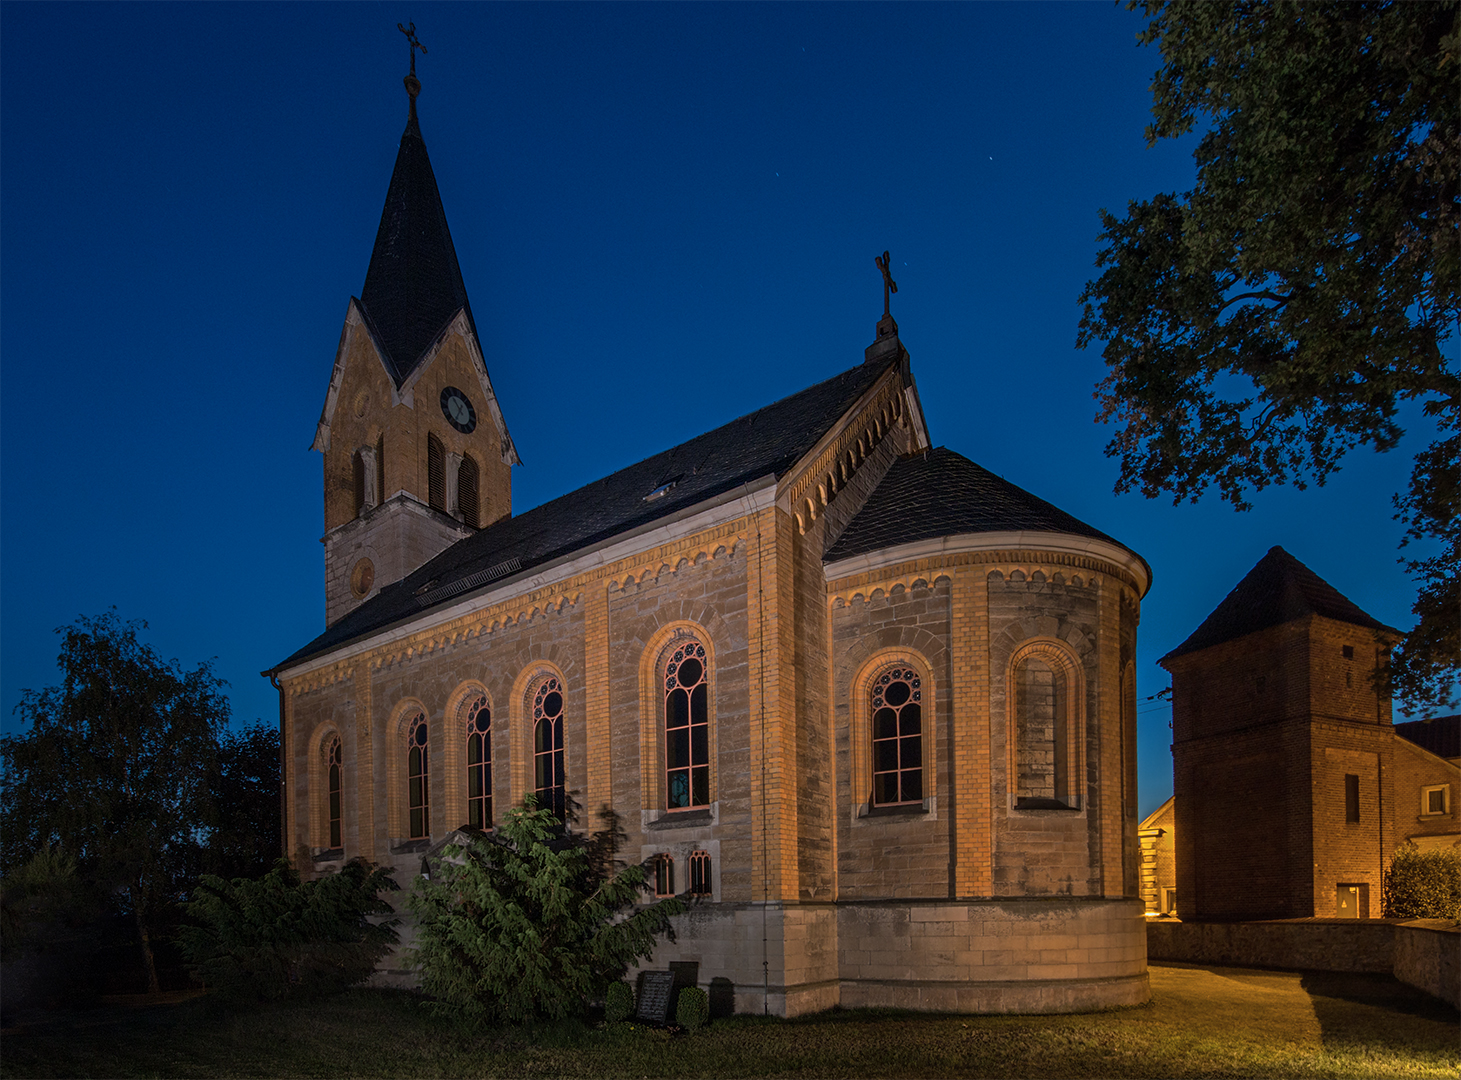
<point>1425,953</point>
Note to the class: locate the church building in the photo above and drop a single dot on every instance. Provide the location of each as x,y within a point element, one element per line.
<point>869,705</point>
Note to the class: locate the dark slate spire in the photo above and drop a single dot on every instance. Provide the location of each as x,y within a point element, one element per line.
<point>1279,589</point>
<point>414,286</point>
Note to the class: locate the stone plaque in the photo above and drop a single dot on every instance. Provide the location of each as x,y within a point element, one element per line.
<point>656,989</point>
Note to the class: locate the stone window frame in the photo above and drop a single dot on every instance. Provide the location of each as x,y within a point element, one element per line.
<point>398,730</point>
<point>319,801</point>
<point>662,874</point>
<point>1058,654</point>
<point>1445,790</point>
<point>454,747</point>
<point>653,783</point>
<point>700,875</point>
<point>862,730</point>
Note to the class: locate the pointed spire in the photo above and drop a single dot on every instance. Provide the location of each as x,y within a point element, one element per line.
<point>414,285</point>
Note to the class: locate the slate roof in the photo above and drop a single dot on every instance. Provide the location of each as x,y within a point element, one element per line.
<point>942,493</point>
<point>1277,590</point>
<point>414,286</point>
<point>1441,735</point>
<point>766,442</point>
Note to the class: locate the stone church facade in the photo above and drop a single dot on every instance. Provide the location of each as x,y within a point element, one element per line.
<point>870,705</point>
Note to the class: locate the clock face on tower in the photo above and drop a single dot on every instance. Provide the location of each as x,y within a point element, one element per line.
<point>458,410</point>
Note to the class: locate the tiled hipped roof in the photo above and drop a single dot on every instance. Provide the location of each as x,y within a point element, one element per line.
<point>767,442</point>
<point>941,493</point>
<point>1441,735</point>
<point>414,286</point>
<point>1277,590</point>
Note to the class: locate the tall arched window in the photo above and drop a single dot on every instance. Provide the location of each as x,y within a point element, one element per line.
<point>687,728</point>
<point>549,771</point>
<point>1045,725</point>
<point>334,765</point>
<point>479,763</point>
<point>897,708</point>
<point>416,777</point>
<point>467,501</point>
<point>357,461</point>
<point>435,473</point>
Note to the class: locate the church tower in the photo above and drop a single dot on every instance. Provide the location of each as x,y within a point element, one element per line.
<point>417,455</point>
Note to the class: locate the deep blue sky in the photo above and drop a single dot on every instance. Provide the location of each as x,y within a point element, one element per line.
<point>666,217</point>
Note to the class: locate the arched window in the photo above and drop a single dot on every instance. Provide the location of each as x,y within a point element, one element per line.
<point>897,737</point>
<point>416,776</point>
<point>357,461</point>
<point>664,875</point>
<point>1044,695</point>
<point>549,772</point>
<point>479,763</point>
<point>700,873</point>
<point>467,492</point>
<point>334,764</point>
<point>687,728</point>
<point>435,474</point>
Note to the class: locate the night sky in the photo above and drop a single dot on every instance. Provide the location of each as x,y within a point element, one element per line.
<point>666,217</point>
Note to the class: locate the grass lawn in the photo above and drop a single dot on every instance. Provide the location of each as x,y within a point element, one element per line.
<point>1201,1022</point>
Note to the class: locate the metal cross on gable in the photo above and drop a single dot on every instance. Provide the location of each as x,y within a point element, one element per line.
<point>410,32</point>
<point>889,285</point>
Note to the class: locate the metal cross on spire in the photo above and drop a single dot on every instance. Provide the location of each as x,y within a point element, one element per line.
<point>889,285</point>
<point>413,84</point>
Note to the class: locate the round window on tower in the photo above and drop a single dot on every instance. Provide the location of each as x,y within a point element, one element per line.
<point>362,578</point>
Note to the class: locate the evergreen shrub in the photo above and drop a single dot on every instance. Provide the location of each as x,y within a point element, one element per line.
<point>619,1003</point>
<point>693,1008</point>
<point>277,936</point>
<point>530,921</point>
<point>1422,884</point>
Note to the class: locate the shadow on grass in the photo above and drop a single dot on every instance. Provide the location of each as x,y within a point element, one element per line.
<point>1344,1004</point>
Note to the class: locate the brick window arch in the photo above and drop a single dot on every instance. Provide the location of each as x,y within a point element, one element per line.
<point>418,757</point>
<point>1044,734</point>
<point>435,473</point>
<point>468,500</point>
<point>687,726</point>
<point>477,723</point>
<point>334,785</point>
<point>897,736</point>
<point>549,763</point>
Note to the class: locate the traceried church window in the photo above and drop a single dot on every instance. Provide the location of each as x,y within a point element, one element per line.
<point>664,875</point>
<point>467,498</point>
<point>700,873</point>
<point>1041,712</point>
<point>334,765</point>
<point>897,737</point>
<point>435,474</point>
<point>549,772</point>
<point>687,728</point>
<point>479,763</point>
<point>416,778</point>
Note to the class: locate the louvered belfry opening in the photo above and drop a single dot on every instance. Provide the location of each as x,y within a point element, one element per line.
<point>435,474</point>
<point>359,464</point>
<point>467,493</point>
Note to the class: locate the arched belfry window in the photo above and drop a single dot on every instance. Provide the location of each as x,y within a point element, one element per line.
<point>334,783</point>
<point>1044,696</point>
<point>479,762</point>
<point>435,473</point>
<point>549,768</point>
<point>467,497</point>
<point>687,728</point>
<point>417,788</point>
<point>897,711</point>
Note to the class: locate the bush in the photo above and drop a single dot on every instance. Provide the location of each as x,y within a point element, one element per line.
<point>1422,884</point>
<point>619,1004</point>
<point>277,936</point>
<point>693,1008</point>
<point>530,921</point>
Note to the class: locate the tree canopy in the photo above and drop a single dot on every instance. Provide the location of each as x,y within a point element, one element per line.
<point>116,769</point>
<point>1260,326</point>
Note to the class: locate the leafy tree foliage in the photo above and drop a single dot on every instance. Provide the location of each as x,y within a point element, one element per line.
<point>1422,884</point>
<point>279,936</point>
<point>1260,326</point>
<point>529,921</point>
<point>245,841</point>
<point>115,770</point>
